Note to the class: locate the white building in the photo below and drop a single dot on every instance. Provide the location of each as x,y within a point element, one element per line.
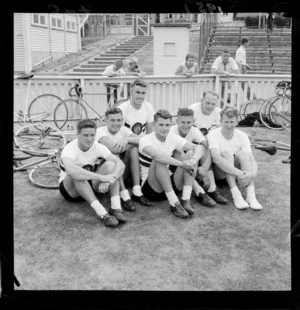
<point>44,37</point>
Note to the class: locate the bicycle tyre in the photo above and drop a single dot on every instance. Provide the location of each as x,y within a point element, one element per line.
<point>264,113</point>
<point>76,112</point>
<point>280,112</point>
<point>20,155</point>
<point>41,109</point>
<point>39,139</point>
<point>45,175</point>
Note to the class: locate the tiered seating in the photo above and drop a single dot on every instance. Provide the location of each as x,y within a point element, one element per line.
<point>266,54</point>
<point>121,51</point>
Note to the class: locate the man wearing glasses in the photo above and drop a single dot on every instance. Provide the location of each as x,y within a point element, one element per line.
<point>233,160</point>
<point>155,151</point>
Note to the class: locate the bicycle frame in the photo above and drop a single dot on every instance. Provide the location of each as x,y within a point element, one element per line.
<point>22,116</point>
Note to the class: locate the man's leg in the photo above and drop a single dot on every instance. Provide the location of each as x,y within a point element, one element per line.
<point>160,181</point>
<point>131,160</point>
<point>82,188</point>
<point>114,189</point>
<point>245,163</point>
<point>238,199</point>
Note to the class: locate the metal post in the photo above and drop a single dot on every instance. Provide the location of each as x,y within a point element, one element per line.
<point>259,17</point>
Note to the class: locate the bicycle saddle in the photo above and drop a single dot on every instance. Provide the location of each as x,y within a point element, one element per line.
<point>25,76</point>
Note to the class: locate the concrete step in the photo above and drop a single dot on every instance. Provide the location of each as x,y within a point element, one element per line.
<point>87,70</point>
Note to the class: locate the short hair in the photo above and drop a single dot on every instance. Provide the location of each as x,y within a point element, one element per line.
<point>226,51</point>
<point>138,82</point>
<point>189,56</point>
<point>230,111</point>
<point>185,112</point>
<point>113,110</point>
<point>86,123</point>
<point>132,59</point>
<point>162,114</point>
<point>244,40</point>
<point>211,92</point>
<point>119,62</point>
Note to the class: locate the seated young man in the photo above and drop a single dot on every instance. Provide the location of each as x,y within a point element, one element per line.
<point>232,155</point>
<point>185,129</point>
<point>122,142</point>
<point>156,151</point>
<point>81,177</point>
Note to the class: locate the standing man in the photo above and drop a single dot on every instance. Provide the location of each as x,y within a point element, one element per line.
<point>240,56</point>
<point>185,129</point>
<point>232,155</point>
<point>138,113</point>
<point>122,142</point>
<point>113,71</point>
<point>156,150</point>
<point>82,175</point>
<point>270,21</point>
<point>189,67</point>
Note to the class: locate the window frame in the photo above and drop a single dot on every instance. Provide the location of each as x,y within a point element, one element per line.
<point>39,24</point>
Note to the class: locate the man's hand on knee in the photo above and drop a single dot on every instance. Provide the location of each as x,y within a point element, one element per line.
<point>247,178</point>
<point>103,188</point>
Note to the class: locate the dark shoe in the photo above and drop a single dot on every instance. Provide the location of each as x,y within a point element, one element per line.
<point>179,211</point>
<point>203,181</point>
<point>205,200</point>
<point>128,205</point>
<point>118,214</point>
<point>141,200</point>
<point>217,197</point>
<point>109,221</point>
<point>187,206</point>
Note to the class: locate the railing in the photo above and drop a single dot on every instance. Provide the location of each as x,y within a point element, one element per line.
<point>121,30</point>
<point>164,92</point>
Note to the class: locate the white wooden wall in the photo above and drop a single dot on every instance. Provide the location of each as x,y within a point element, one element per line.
<point>19,60</point>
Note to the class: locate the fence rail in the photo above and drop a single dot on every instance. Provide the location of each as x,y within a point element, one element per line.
<point>164,92</point>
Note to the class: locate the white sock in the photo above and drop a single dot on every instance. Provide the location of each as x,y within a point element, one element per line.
<point>211,177</point>
<point>97,206</point>
<point>115,202</point>
<point>124,194</point>
<point>197,188</point>
<point>251,198</point>
<point>186,192</point>
<point>137,190</point>
<point>172,198</point>
<point>238,199</point>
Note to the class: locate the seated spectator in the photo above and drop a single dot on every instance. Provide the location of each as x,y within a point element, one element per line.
<point>233,159</point>
<point>122,142</point>
<point>189,67</point>
<point>156,150</point>
<point>225,64</point>
<point>83,176</point>
<point>138,113</point>
<point>113,71</point>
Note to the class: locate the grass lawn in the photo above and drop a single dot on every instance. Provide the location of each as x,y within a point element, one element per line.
<point>64,246</point>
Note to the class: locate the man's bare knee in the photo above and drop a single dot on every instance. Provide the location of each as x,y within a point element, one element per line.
<point>106,167</point>
<point>241,155</point>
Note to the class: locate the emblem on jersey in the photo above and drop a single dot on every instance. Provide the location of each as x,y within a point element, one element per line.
<point>137,128</point>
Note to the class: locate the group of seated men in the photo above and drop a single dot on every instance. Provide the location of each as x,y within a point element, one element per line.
<point>160,160</point>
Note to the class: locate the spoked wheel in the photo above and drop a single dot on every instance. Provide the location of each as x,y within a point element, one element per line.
<point>39,139</point>
<point>280,113</point>
<point>76,112</point>
<point>46,174</point>
<point>42,108</point>
<point>264,113</point>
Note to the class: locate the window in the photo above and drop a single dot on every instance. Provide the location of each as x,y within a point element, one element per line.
<point>169,49</point>
<point>39,19</point>
<point>56,23</point>
<point>71,26</point>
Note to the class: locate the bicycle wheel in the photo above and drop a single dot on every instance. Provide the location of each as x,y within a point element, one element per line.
<point>41,109</point>
<point>264,114</point>
<point>76,112</point>
<point>280,113</point>
<point>39,139</point>
<point>46,174</point>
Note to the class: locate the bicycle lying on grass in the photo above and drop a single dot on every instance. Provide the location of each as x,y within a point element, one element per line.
<point>77,109</point>
<point>45,142</point>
